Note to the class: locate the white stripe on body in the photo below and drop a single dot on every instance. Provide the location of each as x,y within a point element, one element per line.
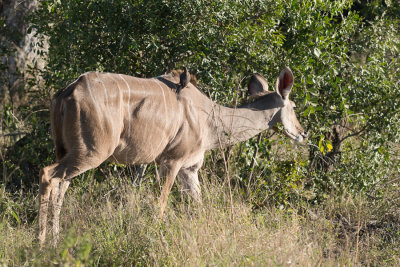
<point>120,97</point>
<point>120,104</point>
<point>105,90</point>
<point>94,101</point>
<point>165,108</point>
<point>150,155</point>
<point>129,111</point>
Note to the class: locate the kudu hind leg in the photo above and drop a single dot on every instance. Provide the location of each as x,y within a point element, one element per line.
<point>52,182</point>
<point>57,198</point>
<point>46,185</point>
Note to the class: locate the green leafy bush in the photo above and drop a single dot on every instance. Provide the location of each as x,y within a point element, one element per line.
<point>344,55</point>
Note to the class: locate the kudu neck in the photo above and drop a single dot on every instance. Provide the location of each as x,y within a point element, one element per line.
<point>233,125</point>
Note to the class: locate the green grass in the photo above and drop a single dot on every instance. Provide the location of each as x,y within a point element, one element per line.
<point>116,224</point>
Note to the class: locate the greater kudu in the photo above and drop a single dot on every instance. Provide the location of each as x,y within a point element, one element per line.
<point>105,116</point>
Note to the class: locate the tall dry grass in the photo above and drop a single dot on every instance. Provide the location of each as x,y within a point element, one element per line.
<point>116,223</point>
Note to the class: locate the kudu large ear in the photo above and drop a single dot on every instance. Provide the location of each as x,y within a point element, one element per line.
<point>257,85</point>
<point>284,83</point>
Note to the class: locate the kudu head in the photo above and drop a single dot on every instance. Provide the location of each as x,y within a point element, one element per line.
<point>266,100</point>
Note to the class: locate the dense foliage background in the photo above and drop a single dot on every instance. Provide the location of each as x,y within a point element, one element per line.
<point>344,55</point>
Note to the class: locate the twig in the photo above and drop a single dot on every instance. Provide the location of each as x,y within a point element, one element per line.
<point>354,133</point>
<point>33,112</point>
<point>358,234</point>
<point>13,134</point>
<point>253,160</point>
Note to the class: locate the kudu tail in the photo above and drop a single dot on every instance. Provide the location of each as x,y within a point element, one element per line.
<point>57,114</point>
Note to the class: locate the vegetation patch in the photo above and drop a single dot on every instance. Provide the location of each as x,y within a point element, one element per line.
<point>331,201</point>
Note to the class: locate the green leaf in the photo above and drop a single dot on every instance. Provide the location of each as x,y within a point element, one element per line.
<point>321,145</point>
<point>317,52</point>
<point>329,146</point>
<point>14,214</point>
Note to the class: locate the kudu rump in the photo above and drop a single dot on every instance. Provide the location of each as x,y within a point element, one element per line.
<point>105,116</point>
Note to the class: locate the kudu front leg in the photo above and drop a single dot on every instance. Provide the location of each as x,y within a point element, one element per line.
<point>191,185</point>
<point>190,179</point>
<point>170,173</point>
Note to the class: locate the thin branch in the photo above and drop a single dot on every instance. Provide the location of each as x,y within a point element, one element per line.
<point>13,134</point>
<point>354,133</point>
<point>253,160</point>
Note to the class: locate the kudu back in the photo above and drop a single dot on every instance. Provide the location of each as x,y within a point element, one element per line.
<point>106,116</point>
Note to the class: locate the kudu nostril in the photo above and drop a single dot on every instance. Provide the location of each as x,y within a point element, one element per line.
<point>305,134</point>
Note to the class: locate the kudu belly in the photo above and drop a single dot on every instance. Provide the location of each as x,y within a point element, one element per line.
<point>143,141</point>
